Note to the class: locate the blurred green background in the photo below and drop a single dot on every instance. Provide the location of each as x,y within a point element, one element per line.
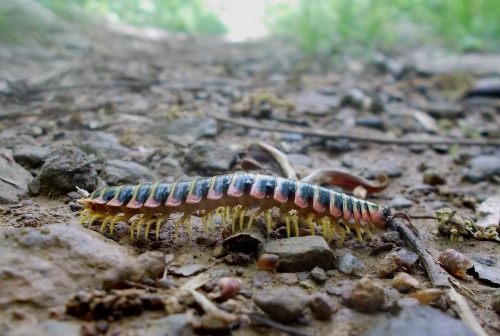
<point>319,27</point>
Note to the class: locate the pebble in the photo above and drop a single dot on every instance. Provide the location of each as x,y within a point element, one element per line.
<point>175,324</point>
<point>371,122</point>
<point>445,110</point>
<point>349,264</point>
<point>14,182</point>
<point>482,168</point>
<point>209,157</point>
<point>495,301</point>
<point>391,170</point>
<point>48,328</point>
<point>30,156</point>
<point>400,202</point>
<point>283,305</point>
<point>421,320</point>
<point>219,252</point>
<point>389,265</point>
<point>434,178</point>
<point>63,171</point>
<point>288,278</point>
<point>261,278</point>
<point>307,284</point>
<point>408,259</point>
<point>315,103</point>
<point>196,128</point>
<point>364,296</point>
<point>117,172</point>
<point>322,306</point>
<point>339,146</point>
<point>391,236</point>
<point>298,254</point>
<point>333,290</point>
<point>318,274</point>
<point>103,145</point>
<point>188,270</point>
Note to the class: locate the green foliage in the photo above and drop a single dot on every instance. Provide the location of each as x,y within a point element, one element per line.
<point>190,16</point>
<point>327,26</point>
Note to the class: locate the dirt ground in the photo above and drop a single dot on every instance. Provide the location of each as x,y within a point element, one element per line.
<point>145,108</point>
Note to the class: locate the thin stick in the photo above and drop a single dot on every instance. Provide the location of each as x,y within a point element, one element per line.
<point>357,137</point>
<point>440,279</point>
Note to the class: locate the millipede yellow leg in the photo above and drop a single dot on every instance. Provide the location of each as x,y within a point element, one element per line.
<point>286,217</point>
<point>132,227</point>
<point>143,220</point>
<point>148,227</point>
<point>333,229</point>
<point>117,219</point>
<point>342,237</point>
<point>369,233</point>
<point>105,222</point>
<point>96,216</point>
<point>188,226</point>
<point>254,215</point>
<point>309,221</point>
<point>210,221</point>
<point>242,214</point>
<point>269,220</point>
<point>205,226</point>
<point>84,215</point>
<point>158,226</point>
<point>236,211</point>
<point>295,222</point>
<point>358,233</point>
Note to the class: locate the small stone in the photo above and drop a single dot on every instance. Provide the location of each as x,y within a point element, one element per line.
<point>495,301</point>
<point>417,149</point>
<point>364,296</point>
<point>188,270</point>
<point>63,171</point>
<point>283,305</point>
<point>408,259</point>
<point>196,127</point>
<point>349,264</point>
<point>219,252</point>
<point>333,290</point>
<point>407,302</point>
<point>175,324</point>
<point>391,236</point>
<point>322,306</point>
<point>318,275</point>
<point>298,254</point>
<point>288,278</point>
<point>433,178</point>
<point>261,278</point>
<point>391,170</point>
<point>302,275</point>
<point>441,149</point>
<point>400,202</point>
<point>389,265</point>
<point>210,157</point>
<point>14,182</point>
<point>30,156</point>
<point>371,122</point>
<point>307,284</point>
<point>117,172</point>
<point>482,168</point>
<point>103,145</point>
<point>421,320</point>
<point>339,146</point>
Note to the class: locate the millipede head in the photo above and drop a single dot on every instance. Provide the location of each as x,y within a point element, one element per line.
<point>383,222</point>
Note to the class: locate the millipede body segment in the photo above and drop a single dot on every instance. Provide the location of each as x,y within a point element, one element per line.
<point>233,196</point>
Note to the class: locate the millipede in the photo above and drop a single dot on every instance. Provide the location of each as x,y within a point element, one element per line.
<point>233,196</point>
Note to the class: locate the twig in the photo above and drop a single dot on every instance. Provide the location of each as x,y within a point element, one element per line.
<point>265,321</point>
<point>440,279</point>
<point>357,137</point>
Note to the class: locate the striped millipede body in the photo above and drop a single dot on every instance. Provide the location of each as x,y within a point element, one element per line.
<point>232,196</point>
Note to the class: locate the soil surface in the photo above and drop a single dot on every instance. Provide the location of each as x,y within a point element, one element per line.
<point>130,106</point>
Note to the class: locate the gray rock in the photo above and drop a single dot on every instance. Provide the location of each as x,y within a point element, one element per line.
<point>14,181</point>
<point>371,122</point>
<point>283,305</point>
<point>116,172</point>
<point>482,168</point>
<point>48,328</point>
<point>391,236</point>
<point>349,264</point>
<point>203,127</point>
<point>433,178</point>
<point>30,156</point>
<point>210,157</point>
<point>495,301</point>
<point>400,202</point>
<point>391,170</point>
<point>322,306</point>
<point>298,254</point>
<point>318,274</point>
<point>42,267</point>
<point>364,296</point>
<point>339,145</point>
<point>102,145</point>
<point>444,110</point>
<point>315,103</point>
<point>188,270</point>
<point>421,320</point>
<point>172,325</point>
<point>63,171</point>
<point>441,62</point>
